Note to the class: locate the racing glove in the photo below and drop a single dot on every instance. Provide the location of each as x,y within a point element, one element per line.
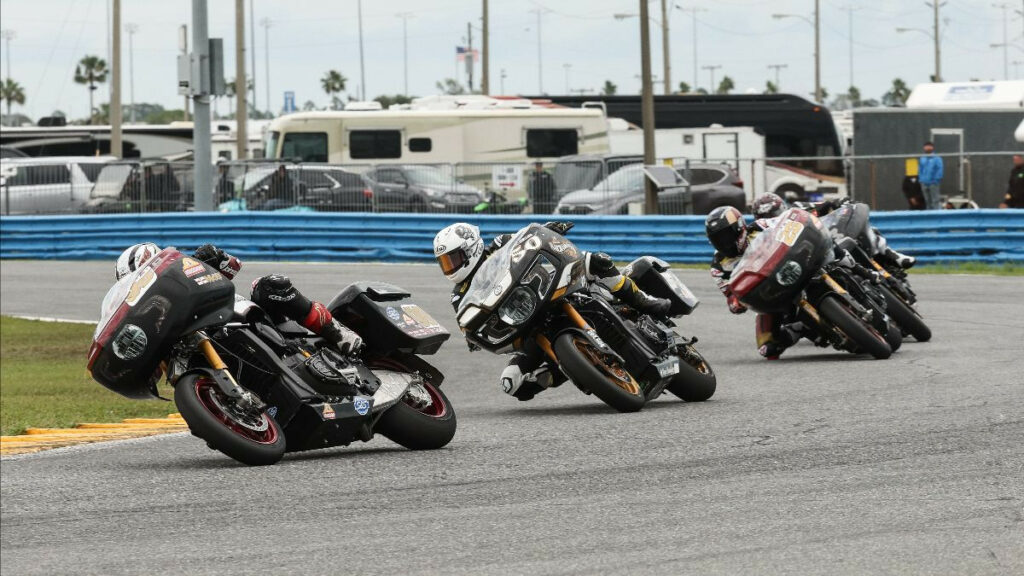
<point>560,227</point>
<point>735,306</point>
<point>225,263</point>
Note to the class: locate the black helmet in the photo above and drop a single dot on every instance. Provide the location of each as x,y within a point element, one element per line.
<point>727,230</point>
<point>768,205</point>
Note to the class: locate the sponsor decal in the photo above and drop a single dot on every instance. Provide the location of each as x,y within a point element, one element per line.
<point>597,339</point>
<point>789,232</point>
<point>669,368</point>
<point>272,411</point>
<point>192,268</point>
<point>130,342</point>
<point>393,314</point>
<point>362,406</point>
<point>328,412</point>
<point>440,250</point>
<point>526,245</point>
<point>211,278</point>
<point>563,247</point>
<point>139,287</point>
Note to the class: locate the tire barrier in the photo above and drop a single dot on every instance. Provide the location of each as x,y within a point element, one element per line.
<point>992,236</point>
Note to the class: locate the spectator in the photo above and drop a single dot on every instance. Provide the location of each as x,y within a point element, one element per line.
<point>1015,190</point>
<point>541,189</point>
<point>929,174</point>
<point>283,191</point>
<point>225,186</point>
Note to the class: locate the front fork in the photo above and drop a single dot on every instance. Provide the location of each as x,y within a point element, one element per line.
<point>219,372</point>
<point>579,322</point>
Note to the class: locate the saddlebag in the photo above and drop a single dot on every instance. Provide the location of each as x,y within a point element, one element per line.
<point>375,310</point>
<point>654,276</point>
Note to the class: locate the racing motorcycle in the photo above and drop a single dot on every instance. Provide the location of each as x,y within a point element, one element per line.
<point>254,389</point>
<point>790,270</point>
<point>852,232</point>
<point>534,289</point>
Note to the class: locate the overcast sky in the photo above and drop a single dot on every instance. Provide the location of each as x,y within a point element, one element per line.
<point>308,37</point>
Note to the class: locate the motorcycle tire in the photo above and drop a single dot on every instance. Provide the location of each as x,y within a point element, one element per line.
<point>207,412</point>
<point>612,384</point>
<point>866,338</point>
<point>693,383</point>
<point>893,335</point>
<point>429,428</point>
<point>907,318</point>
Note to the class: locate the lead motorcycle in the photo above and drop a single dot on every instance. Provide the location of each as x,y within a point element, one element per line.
<point>254,389</point>
<point>790,270</point>
<point>852,231</point>
<point>535,288</point>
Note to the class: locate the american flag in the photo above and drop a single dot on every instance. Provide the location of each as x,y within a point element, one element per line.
<point>461,51</point>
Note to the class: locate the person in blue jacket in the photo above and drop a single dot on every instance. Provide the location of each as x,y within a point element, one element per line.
<point>929,174</point>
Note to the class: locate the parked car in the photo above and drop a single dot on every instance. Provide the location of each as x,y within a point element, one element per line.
<point>320,187</point>
<point>714,185</point>
<point>614,194</point>
<point>141,186</point>
<point>50,185</point>
<point>420,188</point>
<point>584,171</point>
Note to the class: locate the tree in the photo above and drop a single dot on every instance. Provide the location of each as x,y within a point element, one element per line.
<point>684,88</point>
<point>91,70</point>
<point>770,88</point>
<point>701,91</point>
<point>309,106</point>
<point>897,95</point>
<point>386,101</point>
<point>609,88</point>
<point>12,93</point>
<point>333,83</point>
<point>230,93</point>
<point>451,86</point>
<point>854,95</point>
<point>725,86</point>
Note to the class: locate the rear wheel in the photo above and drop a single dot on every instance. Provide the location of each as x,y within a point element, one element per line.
<point>589,368</point>
<point>907,318</point>
<point>864,336</point>
<point>251,438</point>
<point>422,420</point>
<point>696,380</point>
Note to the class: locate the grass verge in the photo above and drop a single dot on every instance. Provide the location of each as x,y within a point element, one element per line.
<point>1005,269</point>
<point>44,383</point>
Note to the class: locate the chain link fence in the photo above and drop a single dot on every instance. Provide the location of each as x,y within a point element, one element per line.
<point>569,186</point>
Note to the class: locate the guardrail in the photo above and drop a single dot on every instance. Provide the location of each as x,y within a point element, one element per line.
<point>938,236</point>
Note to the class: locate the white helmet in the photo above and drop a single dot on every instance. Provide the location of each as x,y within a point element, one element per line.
<point>458,249</point>
<point>133,258</point>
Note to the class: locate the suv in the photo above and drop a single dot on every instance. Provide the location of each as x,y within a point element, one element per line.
<point>421,188</point>
<point>323,188</point>
<point>714,185</point>
<point>47,185</point>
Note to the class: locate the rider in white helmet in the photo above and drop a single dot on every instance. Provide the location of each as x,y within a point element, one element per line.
<point>460,251</point>
<point>273,293</point>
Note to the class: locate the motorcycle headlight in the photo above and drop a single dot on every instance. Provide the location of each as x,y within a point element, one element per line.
<point>789,273</point>
<point>518,307</point>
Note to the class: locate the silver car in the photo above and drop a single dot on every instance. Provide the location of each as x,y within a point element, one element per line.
<point>53,185</point>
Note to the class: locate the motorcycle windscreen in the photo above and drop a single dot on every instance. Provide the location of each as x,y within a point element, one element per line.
<point>494,277</point>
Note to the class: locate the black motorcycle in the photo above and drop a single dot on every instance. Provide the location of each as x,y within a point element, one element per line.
<point>534,290</point>
<point>254,389</point>
<point>850,226</point>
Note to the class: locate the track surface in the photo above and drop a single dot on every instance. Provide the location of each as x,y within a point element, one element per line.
<point>821,463</point>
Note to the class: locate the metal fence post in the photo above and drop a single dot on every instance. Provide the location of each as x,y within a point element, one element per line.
<point>874,185</point>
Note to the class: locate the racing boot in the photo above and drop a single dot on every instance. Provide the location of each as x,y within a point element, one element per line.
<point>782,338</point>
<point>902,260</point>
<point>627,291</point>
<point>524,385</point>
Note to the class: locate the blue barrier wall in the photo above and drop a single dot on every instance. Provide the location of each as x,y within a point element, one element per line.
<point>938,236</point>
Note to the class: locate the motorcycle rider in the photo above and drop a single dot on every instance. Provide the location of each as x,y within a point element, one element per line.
<point>771,205</point>
<point>274,293</point>
<point>460,251</point>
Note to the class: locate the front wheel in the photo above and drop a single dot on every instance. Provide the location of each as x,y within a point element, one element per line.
<point>907,318</point>
<point>585,365</point>
<point>251,438</point>
<point>422,420</point>
<point>696,381</point>
<point>864,336</point>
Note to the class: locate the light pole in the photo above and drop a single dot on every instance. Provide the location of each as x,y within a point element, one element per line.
<point>712,70</point>
<point>405,49</point>
<point>647,108</point>
<point>777,67</point>
<point>938,69</point>
<point>252,52</point>
<point>1005,44</point>
<point>362,68</point>
<point>1016,63</point>
<point>265,22</point>
<point>849,10</point>
<point>8,35</point>
<point>664,43</point>
<point>567,66</point>
<point>131,29</point>
<point>817,44</point>
<point>540,60</point>
<point>693,12</point>
<point>485,53</point>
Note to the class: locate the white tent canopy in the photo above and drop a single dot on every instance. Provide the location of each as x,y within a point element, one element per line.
<point>1008,95</point>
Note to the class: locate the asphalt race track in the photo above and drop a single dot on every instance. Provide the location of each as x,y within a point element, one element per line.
<point>820,463</point>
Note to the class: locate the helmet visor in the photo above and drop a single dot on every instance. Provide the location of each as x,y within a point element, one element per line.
<point>452,261</point>
<point>725,241</point>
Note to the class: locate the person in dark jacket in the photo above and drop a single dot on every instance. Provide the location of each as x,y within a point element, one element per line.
<point>540,187</point>
<point>1015,190</point>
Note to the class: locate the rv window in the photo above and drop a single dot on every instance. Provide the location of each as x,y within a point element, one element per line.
<point>420,145</point>
<point>366,144</point>
<point>551,143</point>
<point>307,146</point>
<point>271,149</point>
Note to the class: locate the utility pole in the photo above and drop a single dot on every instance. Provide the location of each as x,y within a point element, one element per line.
<point>712,70</point>
<point>540,59</point>
<point>203,176</point>
<point>252,51</point>
<point>693,12</point>
<point>817,51</point>
<point>115,84</point>
<point>647,108</point>
<point>8,35</point>
<point>405,50</point>
<point>131,29</point>
<point>667,76</point>
<point>485,54</point>
<point>849,11</point>
<point>469,56</point>
<point>265,22</point>
<point>241,86</point>
<point>1006,42</point>
<point>362,68</point>
<point>935,4</point>
<point>183,46</point>
<point>777,67</point>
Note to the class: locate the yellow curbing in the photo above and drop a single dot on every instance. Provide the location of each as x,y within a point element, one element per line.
<point>37,439</point>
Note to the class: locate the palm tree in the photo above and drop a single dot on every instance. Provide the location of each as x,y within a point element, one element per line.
<point>333,83</point>
<point>725,86</point>
<point>91,70</point>
<point>609,88</point>
<point>898,94</point>
<point>230,93</point>
<point>12,93</point>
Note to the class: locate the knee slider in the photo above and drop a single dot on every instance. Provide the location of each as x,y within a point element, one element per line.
<point>601,264</point>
